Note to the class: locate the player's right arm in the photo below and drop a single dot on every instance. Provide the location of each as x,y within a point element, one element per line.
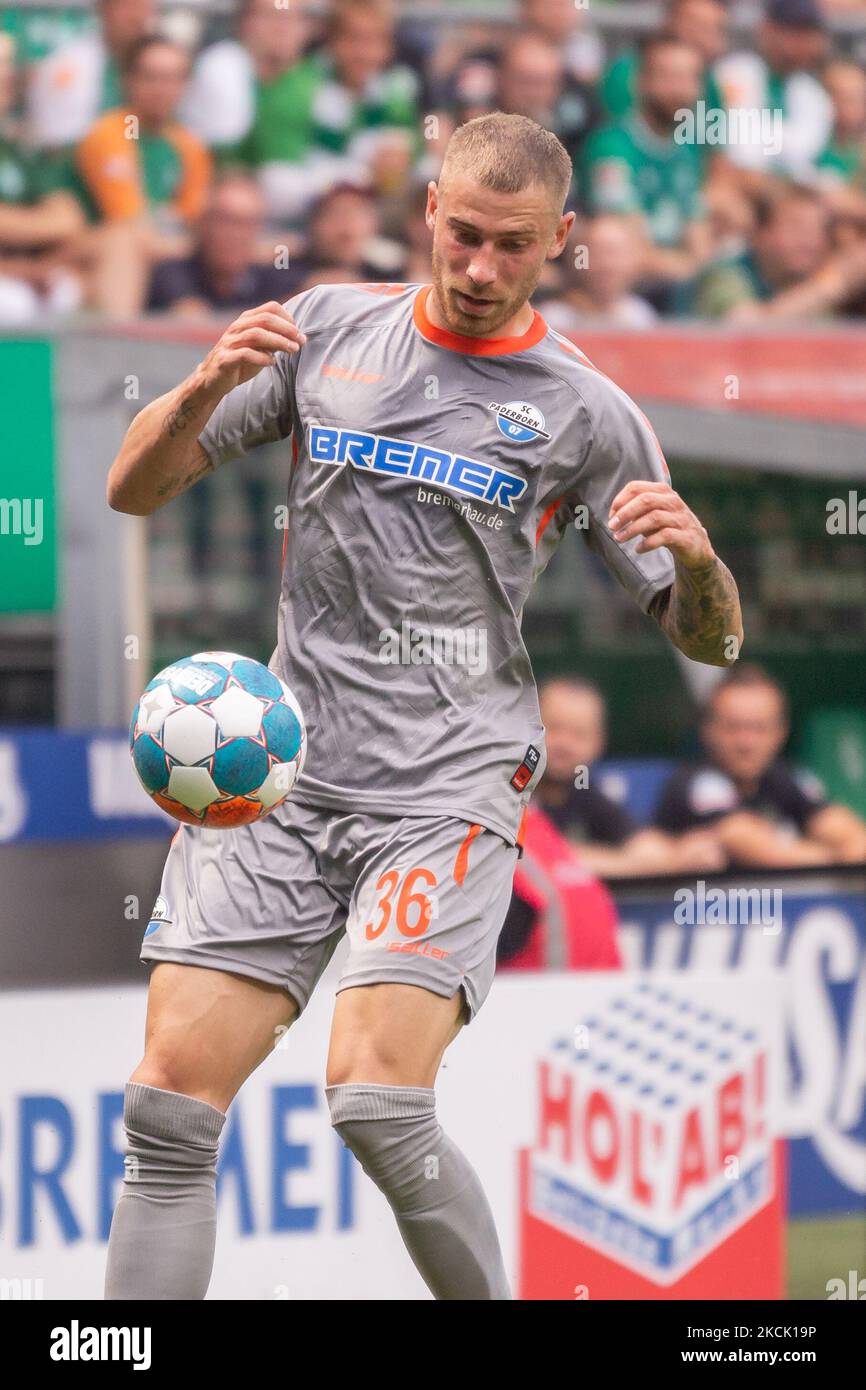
<point>161,455</point>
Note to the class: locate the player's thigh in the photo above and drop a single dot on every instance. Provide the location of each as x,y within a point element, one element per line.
<point>422,924</point>
<point>391,1035</point>
<point>207,1030</point>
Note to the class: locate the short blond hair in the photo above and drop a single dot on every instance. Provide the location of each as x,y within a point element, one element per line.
<point>507,153</point>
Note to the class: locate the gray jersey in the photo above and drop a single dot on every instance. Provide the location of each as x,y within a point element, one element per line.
<point>430,478</point>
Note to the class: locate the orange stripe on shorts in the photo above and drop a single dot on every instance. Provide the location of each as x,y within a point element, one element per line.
<point>461,863</point>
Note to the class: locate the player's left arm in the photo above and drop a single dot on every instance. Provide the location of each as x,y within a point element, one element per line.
<point>700,612</point>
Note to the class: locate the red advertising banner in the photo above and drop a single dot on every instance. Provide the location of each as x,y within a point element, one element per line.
<point>812,375</point>
<point>806,373</point>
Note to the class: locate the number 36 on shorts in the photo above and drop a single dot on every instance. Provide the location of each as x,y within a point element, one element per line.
<point>401,898</point>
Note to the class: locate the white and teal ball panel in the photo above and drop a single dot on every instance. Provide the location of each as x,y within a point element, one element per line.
<point>217,739</point>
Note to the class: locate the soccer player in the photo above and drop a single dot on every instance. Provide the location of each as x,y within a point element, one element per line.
<point>443,440</point>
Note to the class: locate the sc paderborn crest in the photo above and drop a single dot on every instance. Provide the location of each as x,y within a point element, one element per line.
<point>519,421</point>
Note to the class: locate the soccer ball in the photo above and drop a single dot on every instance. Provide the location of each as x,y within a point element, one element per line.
<point>217,739</point>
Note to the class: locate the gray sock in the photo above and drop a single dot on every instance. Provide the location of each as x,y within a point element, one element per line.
<point>163,1231</point>
<point>440,1206</point>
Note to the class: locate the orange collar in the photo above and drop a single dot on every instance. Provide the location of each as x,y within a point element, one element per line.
<point>475,347</point>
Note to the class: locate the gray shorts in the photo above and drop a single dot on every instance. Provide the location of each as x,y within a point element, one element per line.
<point>422,898</point>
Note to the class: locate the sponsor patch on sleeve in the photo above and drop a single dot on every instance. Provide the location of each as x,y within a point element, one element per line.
<point>524,774</point>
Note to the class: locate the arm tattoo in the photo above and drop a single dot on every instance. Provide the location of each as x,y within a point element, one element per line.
<point>178,419</point>
<point>177,485</point>
<point>700,613</point>
<point>175,422</point>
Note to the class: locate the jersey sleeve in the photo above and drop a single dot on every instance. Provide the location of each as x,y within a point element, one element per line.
<point>259,411</point>
<point>623,449</point>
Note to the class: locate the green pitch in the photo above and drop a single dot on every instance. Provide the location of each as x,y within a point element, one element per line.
<point>819,1249</point>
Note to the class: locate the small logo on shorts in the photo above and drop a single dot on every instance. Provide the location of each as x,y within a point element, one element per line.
<point>158,916</point>
<point>519,421</point>
<point>418,948</point>
<point>524,774</point>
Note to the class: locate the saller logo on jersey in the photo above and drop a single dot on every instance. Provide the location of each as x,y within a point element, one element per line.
<point>377,454</point>
<point>524,774</point>
<point>519,422</point>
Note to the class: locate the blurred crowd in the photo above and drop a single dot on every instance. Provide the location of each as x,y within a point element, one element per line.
<point>188,163</point>
<point>737,806</point>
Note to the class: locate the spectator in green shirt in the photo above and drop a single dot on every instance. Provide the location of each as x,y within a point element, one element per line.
<point>790,271</point>
<point>141,177</point>
<point>638,166</point>
<point>531,80</point>
<point>256,75</point>
<point>40,29</point>
<point>701,23</point>
<point>570,27</point>
<point>70,86</point>
<point>347,113</point>
<point>39,223</point>
<point>842,164</point>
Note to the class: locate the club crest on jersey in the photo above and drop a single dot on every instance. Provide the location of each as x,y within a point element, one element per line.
<point>519,422</point>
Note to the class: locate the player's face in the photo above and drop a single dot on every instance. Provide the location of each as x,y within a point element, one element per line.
<point>745,731</point>
<point>573,731</point>
<point>489,250</point>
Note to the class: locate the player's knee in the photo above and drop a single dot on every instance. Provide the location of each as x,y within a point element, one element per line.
<point>391,1130</point>
<point>170,1139</point>
<point>372,1059</point>
<point>167,1070</point>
